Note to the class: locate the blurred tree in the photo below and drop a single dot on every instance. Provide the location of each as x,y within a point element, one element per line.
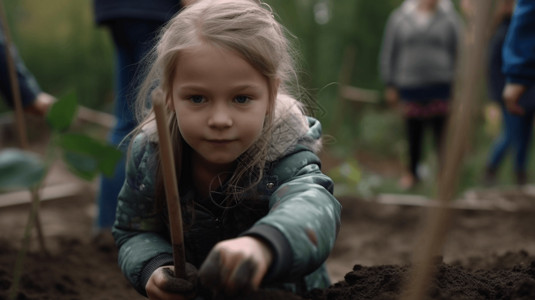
<point>324,29</point>
<point>62,47</point>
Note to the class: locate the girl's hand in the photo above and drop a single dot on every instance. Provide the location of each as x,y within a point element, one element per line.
<point>163,285</point>
<point>236,266</point>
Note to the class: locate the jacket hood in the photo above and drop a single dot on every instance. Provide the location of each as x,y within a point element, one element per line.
<point>291,127</point>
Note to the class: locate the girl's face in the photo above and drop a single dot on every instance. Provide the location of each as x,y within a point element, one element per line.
<point>221,103</point>
<point>428,4</point>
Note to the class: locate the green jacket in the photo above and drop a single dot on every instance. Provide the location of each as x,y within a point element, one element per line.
<point>294,211</point>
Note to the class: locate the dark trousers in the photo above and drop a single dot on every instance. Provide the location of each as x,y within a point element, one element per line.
<point>132,39</point>
<point>415,135</point>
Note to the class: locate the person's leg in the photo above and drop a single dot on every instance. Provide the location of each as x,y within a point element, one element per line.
<point>415,128</point>
<point>499,147</point>
<point>132,40</point>
<point>522,129</point>
<point>438,123</point>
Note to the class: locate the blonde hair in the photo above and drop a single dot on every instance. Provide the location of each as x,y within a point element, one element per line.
<point>246,27</point>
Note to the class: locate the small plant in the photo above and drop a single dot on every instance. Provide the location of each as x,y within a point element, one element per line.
<point>86,157</point>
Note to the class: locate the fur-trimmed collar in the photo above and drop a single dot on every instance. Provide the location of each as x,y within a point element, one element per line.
<point>291,127</point>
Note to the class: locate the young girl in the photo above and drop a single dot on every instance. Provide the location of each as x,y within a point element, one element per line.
<point>257,210</point>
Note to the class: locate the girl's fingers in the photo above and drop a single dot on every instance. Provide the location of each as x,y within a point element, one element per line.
<point>164,285</point>
<point>242,279</point>
<point>230,273</point>
<point>172,284</point>
<point>236,266</point>
<point>210,272</point>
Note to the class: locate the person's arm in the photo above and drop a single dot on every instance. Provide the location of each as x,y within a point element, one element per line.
<point>387,60</point>
<point>293,240</point>
<point>140,234</point>
<point>34,100</point>
<point>519,55</point>
<point>303,222</point>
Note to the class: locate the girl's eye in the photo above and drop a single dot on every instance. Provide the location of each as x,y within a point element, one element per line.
<point>241,99</point>
<point>197,99</point>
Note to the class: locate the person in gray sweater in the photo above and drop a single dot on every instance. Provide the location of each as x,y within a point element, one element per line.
<point>417,65</point>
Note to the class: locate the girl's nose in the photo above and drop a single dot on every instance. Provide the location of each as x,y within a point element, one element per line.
<point>220,117</point>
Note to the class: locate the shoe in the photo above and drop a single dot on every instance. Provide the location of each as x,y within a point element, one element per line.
<point>489,179</point>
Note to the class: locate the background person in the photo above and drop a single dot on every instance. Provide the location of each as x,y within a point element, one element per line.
<point>34,100</point>
<point>417,64</point>
<point>519,55</point>
<point>516,129</point>
<point>134,26</point>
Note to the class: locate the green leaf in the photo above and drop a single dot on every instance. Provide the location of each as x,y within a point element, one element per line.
<point>62,112</point>
<point>20,169</point>
<point>87,156</point>
<point>82,165</point>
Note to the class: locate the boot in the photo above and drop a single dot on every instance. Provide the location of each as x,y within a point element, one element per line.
<point>489,179</point>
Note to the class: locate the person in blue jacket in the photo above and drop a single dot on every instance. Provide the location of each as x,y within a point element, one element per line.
<point>517,129</point>
<point>519,55</point>
<point>134,26</point>
<point>257,210</point>
<point>34,100</point>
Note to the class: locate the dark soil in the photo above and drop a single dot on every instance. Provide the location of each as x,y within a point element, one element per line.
<point>499,280</point>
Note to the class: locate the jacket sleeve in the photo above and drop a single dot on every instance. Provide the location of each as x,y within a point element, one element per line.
<point>519,47</point>
<point>304,212</point>
<point>29,88</point>
<point>389,48</point>
<point>139,232</point>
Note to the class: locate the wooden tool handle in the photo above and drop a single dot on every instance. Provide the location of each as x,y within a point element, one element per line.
<point>171,187</point>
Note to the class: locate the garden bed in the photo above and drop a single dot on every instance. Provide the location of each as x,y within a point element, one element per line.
<point>488,254</point>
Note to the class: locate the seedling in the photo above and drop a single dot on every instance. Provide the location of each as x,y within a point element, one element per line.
<point>21,169</point>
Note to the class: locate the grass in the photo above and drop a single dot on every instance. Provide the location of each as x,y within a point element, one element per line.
<point>379,133</point>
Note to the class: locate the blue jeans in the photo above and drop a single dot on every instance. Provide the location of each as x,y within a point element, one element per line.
<point>133,39</point>
<point>516,133</point>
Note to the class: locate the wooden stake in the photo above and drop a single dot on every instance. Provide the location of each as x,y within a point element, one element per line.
<point>171,188</point>
<point>15,89</point>
<point>19,114</point>
<point>459,128</point>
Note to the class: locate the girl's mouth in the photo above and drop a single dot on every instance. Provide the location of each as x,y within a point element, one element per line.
<point>220,141</point>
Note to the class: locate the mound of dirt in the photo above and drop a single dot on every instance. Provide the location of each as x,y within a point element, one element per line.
<point>498,280</point>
